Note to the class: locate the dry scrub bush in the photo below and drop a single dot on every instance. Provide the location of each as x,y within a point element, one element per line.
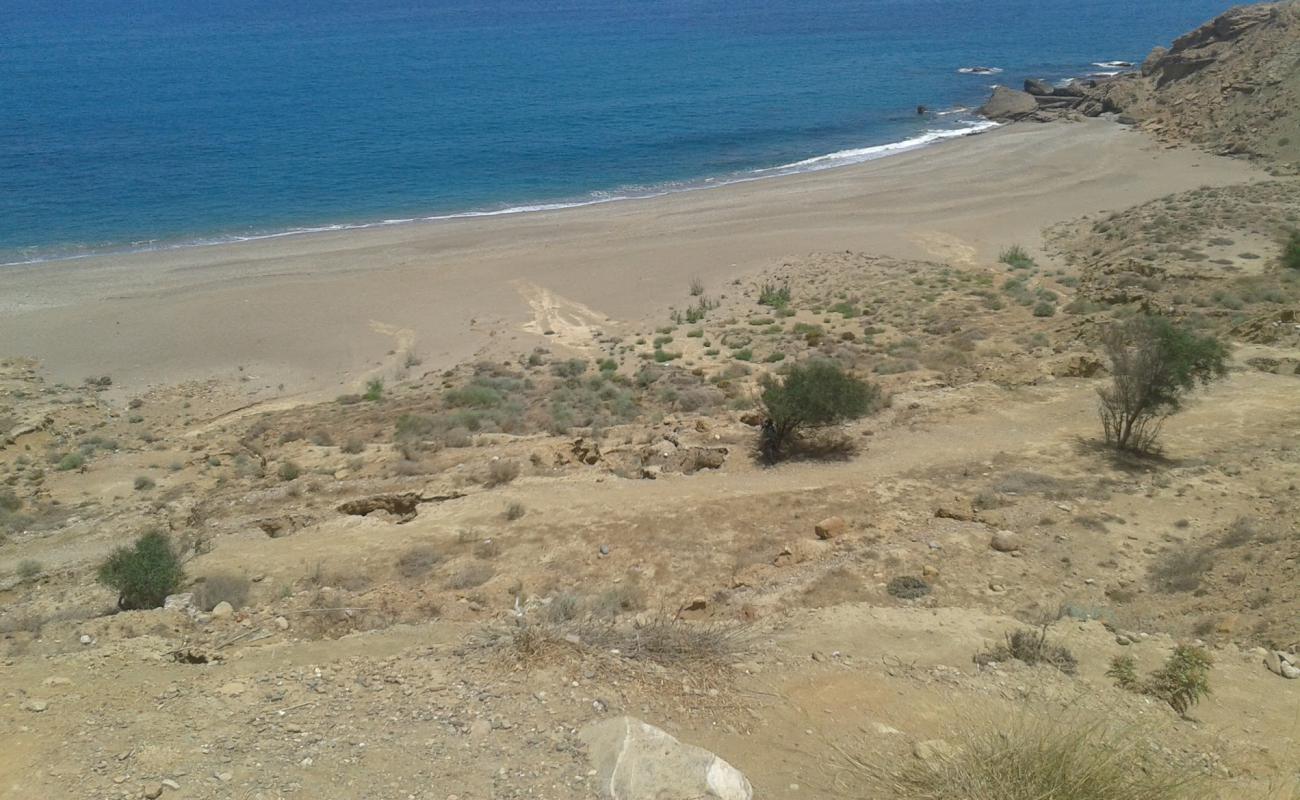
<point>418,561</point>
<point>501,472</point>
<point>1027,760</point>
<point>1031,647</point>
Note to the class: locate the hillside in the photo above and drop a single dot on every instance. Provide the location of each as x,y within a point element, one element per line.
<point>1231,86</point>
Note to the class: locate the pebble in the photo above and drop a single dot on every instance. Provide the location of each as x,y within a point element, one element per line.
<point>223,610</point>
<point>85,638</point>
<point>35,705</point>
<point>152,791</point>
<point>171,784</point>
<point>604,549</point>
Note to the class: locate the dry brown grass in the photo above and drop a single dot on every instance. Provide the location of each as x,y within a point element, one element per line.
<point>1027,760</point>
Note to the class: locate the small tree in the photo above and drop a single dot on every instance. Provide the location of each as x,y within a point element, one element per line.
<point>811,395</point>
<point>143,574</point>
<point>1154,364</point>
<point>1183,680</point>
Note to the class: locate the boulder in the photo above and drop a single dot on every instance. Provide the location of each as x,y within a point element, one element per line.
<point>637,761</point>
<point>1006,104</point>
<point>1072,89</point>
<point>223,610</point>
<point>830,527</point>
<point>1036,87</point>
<point>1004,542</point>
<point>1282,664</point>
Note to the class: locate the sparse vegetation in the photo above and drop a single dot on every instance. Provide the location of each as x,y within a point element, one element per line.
<point>1291,251</point>
<point>1027,760</point>
<point>418,561</point>
<point>1031,647</point>
<point>908,587</point>
<point>774,296</point>
<point>143,574</point>
<point>29,568</point>
<point>374,390</point>
<point>143,483</point>
<point>1154,364</point>
<point>514,511</point>
<point>1183,679</point>
<point>813,395</point>
<point>1016,257</point>
<point>288,471</point>
<point>502,471</point>
<point>1123,670</point>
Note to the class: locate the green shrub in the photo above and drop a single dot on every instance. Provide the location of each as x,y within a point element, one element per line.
<point>572,368</point>
<point>1016,257</point>
<point>1154,364</point>
<point>288,471</point>
<point>1044,309</point>
<point>1183,680</point>
<point>1291,252</point>
<point>10,501</point>
<point>143,574</point>
<point>773,296</point>
<point>811,395</point>
<point>374,390</point>
<point>29,568</point>
<point>472,397</point>
<point>71,461</point>
<point>1123,670</point>
<point>143,483</point>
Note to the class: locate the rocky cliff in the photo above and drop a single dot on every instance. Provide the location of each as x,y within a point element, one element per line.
<point>1230,86</point>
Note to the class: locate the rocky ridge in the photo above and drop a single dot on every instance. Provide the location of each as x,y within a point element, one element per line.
<point>1229,86</point>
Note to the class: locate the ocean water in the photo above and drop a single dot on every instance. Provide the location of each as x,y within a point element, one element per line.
<point>155,123</point>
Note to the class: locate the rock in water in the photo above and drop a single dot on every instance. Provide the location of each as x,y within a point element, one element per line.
<point>1007,104</point>
<point>637,761</point>
<point>1035,86</point>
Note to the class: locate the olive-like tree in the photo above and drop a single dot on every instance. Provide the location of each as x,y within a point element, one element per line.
<point>815,394</point>
<point>1154,364</point>
<point>143,574</point>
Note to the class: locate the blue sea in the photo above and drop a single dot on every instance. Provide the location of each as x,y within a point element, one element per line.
<point>136,124</point>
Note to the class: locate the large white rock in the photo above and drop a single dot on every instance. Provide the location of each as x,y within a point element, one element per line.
<point>637,761</point>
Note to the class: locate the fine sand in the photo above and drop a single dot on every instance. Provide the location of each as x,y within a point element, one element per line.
<point>317,313</point>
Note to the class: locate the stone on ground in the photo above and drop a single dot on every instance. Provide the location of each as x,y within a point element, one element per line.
<point>637,761</point>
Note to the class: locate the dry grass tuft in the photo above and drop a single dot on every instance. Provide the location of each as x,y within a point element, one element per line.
<point>1031,647</point>
<point>1031,760</point>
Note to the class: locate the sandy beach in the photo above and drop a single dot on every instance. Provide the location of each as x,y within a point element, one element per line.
<point>320,312</point>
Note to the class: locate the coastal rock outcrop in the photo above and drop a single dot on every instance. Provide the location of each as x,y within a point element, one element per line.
<point>1231,86</point>
<point>1007,104</point>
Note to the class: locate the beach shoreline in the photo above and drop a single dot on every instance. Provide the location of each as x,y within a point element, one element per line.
<point>321,311</point>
